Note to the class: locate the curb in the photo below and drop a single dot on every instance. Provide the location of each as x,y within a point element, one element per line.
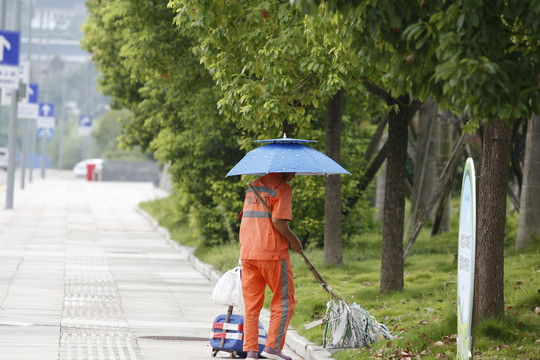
<point>300,345</point>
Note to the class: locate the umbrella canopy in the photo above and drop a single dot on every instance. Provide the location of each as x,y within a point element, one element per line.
<point>286,155</point>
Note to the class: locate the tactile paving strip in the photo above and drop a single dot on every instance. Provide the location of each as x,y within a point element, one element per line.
<point>93,325</point>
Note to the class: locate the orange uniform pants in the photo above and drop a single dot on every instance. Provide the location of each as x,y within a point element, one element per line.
<point>278,275</point>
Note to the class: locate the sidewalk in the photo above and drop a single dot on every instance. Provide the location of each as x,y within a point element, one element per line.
<point>84,274</point>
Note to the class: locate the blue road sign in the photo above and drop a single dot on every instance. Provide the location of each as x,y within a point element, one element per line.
<point>33,92</point>
<point>46,110</point>
<point>9,48</point>
<point>47,133</point>
<point>85,121</point>
<point>45,119</point>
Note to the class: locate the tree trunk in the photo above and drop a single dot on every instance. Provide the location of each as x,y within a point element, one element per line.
<point>378,138</point>
<point>333,251</point>
<point>441,191</point>
<point>379,188</point>
<point>517,152</point>
<point>425,172</point>
<point>517,158</point>
<point>529,210</point>
<point>446,141</point>
<point>369,174</point>
<point>489,279</point>
<point>394,200</point>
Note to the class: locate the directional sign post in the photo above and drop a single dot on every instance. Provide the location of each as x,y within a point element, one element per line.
<point>45,126</point>
<point>45,133</point>
<point>33,92</point>
<point>9,80</point>
<point>466,262</point>
<point>28,107</point>
<point>45,120</point>
<point>23,72</point>
<point>9,59</point>
<point>85,125</point>
<point>28,110</point>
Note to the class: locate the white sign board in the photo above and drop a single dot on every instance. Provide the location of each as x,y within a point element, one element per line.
<point>9,59</point>
<point>24,77</point>
<point>466,261</point>
<point>27,110</point>
<point>6,97</point>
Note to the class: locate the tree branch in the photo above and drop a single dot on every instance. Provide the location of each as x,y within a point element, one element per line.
<point>446,176</point>
<point>379,91</point>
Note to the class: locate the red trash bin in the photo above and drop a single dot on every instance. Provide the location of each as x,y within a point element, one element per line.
<point>90,171</point>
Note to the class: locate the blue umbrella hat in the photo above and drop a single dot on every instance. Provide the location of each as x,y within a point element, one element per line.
<point>286,156</point>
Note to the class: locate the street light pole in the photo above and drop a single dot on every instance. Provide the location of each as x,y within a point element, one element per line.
<point>45,96</point>
<point>26,131</point>
<point>3,9</point>
<point>33,131</point>
<point>62,119</point>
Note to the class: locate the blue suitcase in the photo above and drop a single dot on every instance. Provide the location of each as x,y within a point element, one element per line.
<point>233,333</point>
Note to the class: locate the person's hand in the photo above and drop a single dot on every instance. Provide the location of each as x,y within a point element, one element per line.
<point>295,244</point>
<point>283,227</point>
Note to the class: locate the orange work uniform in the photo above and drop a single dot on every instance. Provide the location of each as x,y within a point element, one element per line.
<point>265,261</point>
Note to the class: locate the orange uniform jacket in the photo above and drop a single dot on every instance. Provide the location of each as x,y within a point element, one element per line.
<point>259,239</point>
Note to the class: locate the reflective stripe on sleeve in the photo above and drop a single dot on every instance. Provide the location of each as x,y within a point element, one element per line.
<point>256,214</point>
<point>264,189</point>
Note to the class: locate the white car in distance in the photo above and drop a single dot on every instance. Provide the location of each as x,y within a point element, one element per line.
<point>80,168</point>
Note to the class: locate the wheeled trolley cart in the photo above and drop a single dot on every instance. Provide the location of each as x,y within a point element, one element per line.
<point>228,335</point>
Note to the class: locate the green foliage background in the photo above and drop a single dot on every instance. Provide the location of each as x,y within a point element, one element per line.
<point>200,89</point>
<point>204,79</point>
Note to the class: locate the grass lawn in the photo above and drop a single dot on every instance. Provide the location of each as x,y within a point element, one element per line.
<point>423,315</point>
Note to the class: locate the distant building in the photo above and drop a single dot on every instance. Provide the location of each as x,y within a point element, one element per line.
<point>55,31</point>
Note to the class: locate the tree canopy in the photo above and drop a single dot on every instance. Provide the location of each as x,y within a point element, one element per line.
<point>477,58</point>
<point>190,97</point>
<point>272,63</point>
<point>203,79</point>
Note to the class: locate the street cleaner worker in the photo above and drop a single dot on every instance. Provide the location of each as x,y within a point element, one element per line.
<point>264,252</point>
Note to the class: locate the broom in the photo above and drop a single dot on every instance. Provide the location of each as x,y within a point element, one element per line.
<point>347,325</point>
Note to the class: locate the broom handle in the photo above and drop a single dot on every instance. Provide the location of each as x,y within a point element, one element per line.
<point>316,274</point>
<point>227,319</point>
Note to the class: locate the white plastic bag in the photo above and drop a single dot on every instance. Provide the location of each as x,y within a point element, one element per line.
<point>228,289</point>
